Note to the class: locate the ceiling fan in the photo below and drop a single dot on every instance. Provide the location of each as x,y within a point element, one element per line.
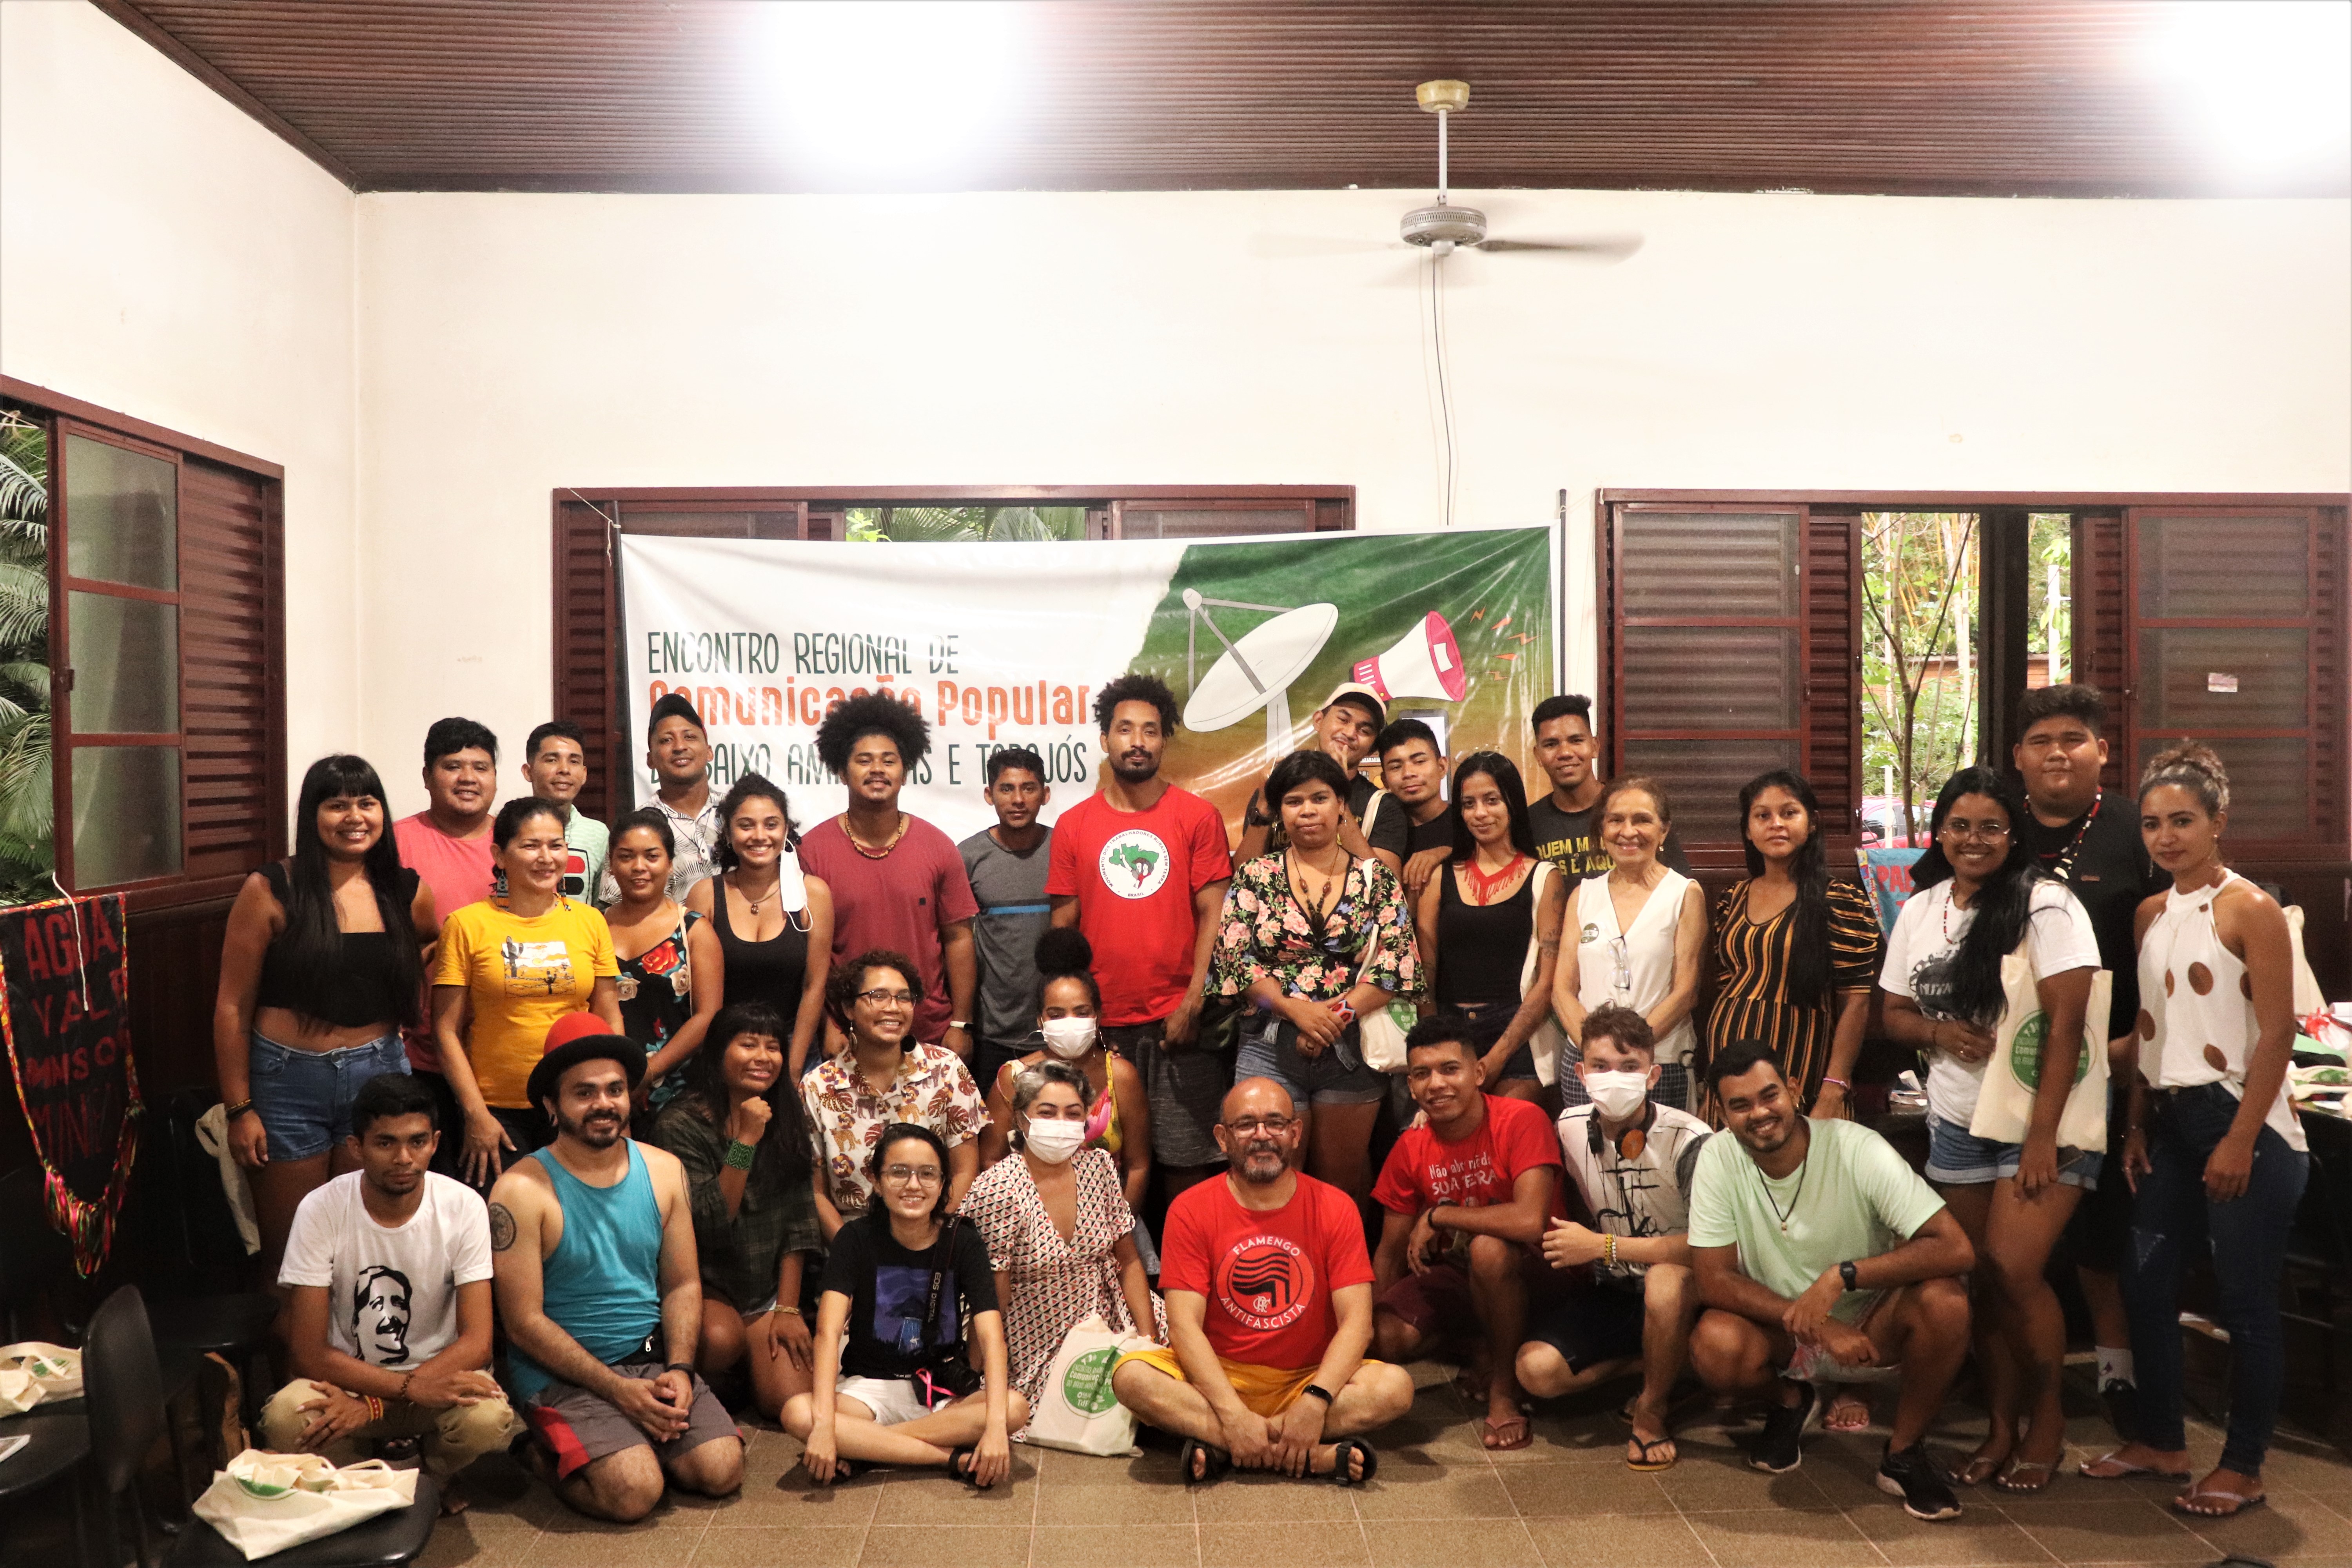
<point>1444,227</point>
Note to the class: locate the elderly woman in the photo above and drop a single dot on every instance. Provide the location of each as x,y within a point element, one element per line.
<point>1059,1233</point>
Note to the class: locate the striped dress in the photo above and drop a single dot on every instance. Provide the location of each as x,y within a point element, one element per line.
<point>1751,962</point>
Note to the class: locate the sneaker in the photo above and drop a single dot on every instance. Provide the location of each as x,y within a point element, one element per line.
<point>1912,1476</point>
<point>2122,1402</point>
<point>400,1453</point>
<point>1779,1450</point>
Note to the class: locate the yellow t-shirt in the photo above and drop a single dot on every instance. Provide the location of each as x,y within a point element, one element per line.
<point>520,976</point>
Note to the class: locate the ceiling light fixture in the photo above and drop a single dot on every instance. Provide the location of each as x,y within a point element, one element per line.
<point>2271,81</point>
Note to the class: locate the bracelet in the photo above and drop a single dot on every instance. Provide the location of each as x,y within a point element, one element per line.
<point>374,1406</point>
<point>793,1311</point>
<point>740,1154</point>
<point>1609,1248</point>
<point>231,1112</point>
<point>1319,1391</point>
<point>685,1366</point>
<point>1839,1081</point>
<point>402,1394</point>
<point>959,1024</point>
<point>1342,1010</point>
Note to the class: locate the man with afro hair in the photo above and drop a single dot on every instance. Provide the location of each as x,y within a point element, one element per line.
<point>898,882</point>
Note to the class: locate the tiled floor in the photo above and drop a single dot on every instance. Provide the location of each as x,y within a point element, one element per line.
<point>1440,1500</point>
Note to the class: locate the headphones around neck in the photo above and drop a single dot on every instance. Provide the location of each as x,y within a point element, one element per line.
<point>1629,1142</point>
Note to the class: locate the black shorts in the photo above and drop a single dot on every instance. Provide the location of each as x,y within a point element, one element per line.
<point>1586,1327</point>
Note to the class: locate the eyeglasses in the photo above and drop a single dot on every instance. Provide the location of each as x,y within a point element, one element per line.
<point>878,998</point>
<point>1983,832</point>
<point>911,1177</point>
<point>1621,958</point>
<point>1251,1126</point>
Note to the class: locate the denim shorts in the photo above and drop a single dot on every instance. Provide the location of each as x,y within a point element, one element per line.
<point>304,1098</point>
<point>1959,1158</point>
<point>1338,1077</point>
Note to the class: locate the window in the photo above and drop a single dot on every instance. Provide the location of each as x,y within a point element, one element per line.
<point>164,641</point>
<point>587,596</point>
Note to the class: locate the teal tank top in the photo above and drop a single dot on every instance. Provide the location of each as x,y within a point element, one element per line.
<point>602,1284</point>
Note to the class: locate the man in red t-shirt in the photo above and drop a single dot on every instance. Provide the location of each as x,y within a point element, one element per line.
<point>897,882</point>
<point>1468,1199</point>
<point>1140,867</point>
<point>447,844</point>
<point>1269,1300</point>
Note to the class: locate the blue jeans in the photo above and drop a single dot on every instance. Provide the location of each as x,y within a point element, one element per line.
<point>304,1098</point>
<point>2247,1239</point>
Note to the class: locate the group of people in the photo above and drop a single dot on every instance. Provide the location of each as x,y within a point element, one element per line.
<point>862,1122</point>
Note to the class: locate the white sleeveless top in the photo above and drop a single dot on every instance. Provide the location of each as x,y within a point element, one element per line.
<point>1647,971</point>
<point>2197,1009</point>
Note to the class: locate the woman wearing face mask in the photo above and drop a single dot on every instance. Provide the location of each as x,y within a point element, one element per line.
<point>1640,938</point>
<point>1060,1233</point>
<point>1118,1113</point>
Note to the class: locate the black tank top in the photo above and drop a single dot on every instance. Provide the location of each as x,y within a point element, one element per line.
<point>771,971</point>
<point>1481,947</point>
<point>363,989</point>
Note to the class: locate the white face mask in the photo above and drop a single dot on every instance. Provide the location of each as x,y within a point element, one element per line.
<point>1618,1094</point>
<point>1054,1142</point>
<point>1068,1039</point>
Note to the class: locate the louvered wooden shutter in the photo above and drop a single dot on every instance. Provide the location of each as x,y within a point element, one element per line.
<point>587,652</point>
<point>232,635</point>
<point>2097,633</point>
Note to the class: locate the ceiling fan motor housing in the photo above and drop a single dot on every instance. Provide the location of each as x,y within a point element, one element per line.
<point>1447,225</point>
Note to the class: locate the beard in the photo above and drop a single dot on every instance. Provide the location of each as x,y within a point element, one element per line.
<point>1261,1165</point>
<point>1130,770</point>
<point>597,1128</point>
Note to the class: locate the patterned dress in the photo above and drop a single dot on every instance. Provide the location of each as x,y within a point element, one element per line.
<point>1264,933</point>
<point>656,990</point>
<point>933,1090</point>
<point>1752,1000</point>
<point>1055,1284</point>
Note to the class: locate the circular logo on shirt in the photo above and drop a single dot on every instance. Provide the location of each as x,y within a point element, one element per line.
<point>1591,933</point>
<point>1133,863</point>
<point>1265,1281</point>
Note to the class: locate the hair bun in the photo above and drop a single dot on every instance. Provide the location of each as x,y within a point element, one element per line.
<point>2193,764</point>
<point>1064,950</point>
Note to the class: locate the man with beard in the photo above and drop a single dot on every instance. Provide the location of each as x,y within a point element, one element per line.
<point>1821,1254</point>
<point>389,1316</point>
<point>592,1240</point>
<point>1140,868</point>
<point>1343,730</point>
<point>1269,1300</point>
<point>898,883</point>
<point>2094,845</point>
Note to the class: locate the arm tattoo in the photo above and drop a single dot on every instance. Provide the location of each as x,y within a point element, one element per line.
<point>502,1227</point>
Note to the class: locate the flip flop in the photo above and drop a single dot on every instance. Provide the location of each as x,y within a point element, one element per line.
<point>2007,1480</point>
<point>1845,1402</point>
<point>1339,1451</point>
<point>1498,1426</point>
<point>1214,1462</point>
<point>1978,1472</point>
<point>1648,1446</point>
<point>960,1464</point>
<point>2180,1504</point>
<point>2127,1469</point>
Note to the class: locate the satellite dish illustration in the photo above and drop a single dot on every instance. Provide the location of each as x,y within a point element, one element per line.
<point>1255,672</point>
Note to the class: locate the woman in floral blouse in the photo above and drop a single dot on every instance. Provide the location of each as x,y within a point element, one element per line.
<point>1313,938</point>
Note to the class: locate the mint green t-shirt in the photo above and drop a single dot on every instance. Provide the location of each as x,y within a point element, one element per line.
<point>1854,1197</point>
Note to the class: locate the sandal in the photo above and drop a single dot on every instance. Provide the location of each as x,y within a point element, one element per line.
<point>1339,1452</point>
<point>2008,1481</point>
<point>2186,1503</point>
<point>1649,1446</point>
<point>1498,1435</point>
<point>1214,1462</point>
<point>960,1464</point>
<point>2124,1468</point>
<point>1980,1471</point>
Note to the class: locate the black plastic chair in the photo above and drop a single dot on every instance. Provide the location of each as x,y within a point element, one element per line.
<point>234,1328</point>
<point>126,1417</point>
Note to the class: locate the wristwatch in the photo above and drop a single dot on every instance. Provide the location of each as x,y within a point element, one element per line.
<point>1845,1273</point>
<point>1319,1391</point>
<point>685,1366</point>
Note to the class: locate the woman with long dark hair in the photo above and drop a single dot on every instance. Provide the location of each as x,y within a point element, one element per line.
<point>1475,918</point>
<point>1796,953</point>
<point>737,1128</point>
<point>321,967</point>
<point>774,923</point>
<point>1981,896</point>
<point>671,977</point>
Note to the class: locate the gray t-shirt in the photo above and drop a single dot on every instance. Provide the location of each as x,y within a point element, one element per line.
<point>1014,913</point>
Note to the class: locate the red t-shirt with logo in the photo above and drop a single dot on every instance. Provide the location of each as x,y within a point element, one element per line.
<point>1424,1170</point>
<point>460,871</point>
<point>1268,1274</point>
<point>1134,874</point>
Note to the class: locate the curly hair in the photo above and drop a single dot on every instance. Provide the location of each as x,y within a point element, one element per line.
<point>1065,953</point>
<point>1136,688</point>
<point>846,979</point>
<point>876,713</point>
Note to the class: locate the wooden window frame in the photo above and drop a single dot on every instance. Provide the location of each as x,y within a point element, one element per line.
<point>65,417</point>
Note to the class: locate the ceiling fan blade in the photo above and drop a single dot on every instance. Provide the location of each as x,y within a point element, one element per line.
<point>1299,247</point>
<point>1597,248</point>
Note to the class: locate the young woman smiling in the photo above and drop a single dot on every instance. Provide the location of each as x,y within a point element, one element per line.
<point>2214,1144</point>
<point>1118,1113</point>
<point>775,923</point>
<point>1980,898</point>
<point>509,967</point>
<point>1477,916</point>
<point>320,970</point>
<point>1641,938</point>
<point>670,984</point>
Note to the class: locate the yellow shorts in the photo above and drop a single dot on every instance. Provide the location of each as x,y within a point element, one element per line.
<point>1267,1391</point>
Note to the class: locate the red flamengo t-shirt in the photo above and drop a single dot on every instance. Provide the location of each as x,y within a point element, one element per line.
<point>460,872</point>
<point>1134,874</point>
<point>897,903</point>
<point>1424,1170</point>
<point>1268,1274</point>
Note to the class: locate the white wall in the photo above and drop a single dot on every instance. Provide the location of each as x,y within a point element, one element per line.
<point>162,255</point>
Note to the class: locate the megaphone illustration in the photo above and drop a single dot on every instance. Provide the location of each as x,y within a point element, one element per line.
<point>1426,662</point>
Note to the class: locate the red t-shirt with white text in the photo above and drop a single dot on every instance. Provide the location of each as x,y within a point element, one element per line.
<point>1268,1274</point>
<point>1134,874</point>
<point>1424,1170</point>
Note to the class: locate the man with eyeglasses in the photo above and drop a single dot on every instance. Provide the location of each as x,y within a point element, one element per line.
<point>1269,1298</point>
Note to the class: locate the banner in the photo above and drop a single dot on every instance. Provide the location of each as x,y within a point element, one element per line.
<point>1003,645</point>
<point>67,1020</point>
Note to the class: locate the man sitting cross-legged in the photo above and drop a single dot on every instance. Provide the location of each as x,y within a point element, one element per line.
<point>592,1239</point>
<point>1632,1160</point>
<point>1466,1196</point>
<point>390,1320</point>
<point>1821,1254</point>
<point>1269,1302</point>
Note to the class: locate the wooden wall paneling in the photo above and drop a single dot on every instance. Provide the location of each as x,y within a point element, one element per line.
<point>174,955</point>
<point>587,645</point>
<point>2331,683</point>
<point>1832,672</point>
<point>233,783</point>
<point>2098,655</point>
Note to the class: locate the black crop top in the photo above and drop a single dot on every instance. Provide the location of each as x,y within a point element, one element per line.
<point>364,990</point>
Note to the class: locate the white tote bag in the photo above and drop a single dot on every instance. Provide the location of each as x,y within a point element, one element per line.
<point>33,1370</point>
<point>1075,1411</point>
<point>1546,1043</point>
<point>2012,1073</point>
<point>266,1502</point>
<point>1380,1034</point>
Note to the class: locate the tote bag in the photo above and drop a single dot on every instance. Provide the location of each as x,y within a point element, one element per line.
<point>1380,1034</point>
<point>266,1502</point>
<point>33,1370</point>
<point>2013,1072</point>
<point>1075,1410</point>
<point>1546,1043</point>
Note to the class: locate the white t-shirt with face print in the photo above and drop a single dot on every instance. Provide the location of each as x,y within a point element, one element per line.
<point>392,1294</point>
